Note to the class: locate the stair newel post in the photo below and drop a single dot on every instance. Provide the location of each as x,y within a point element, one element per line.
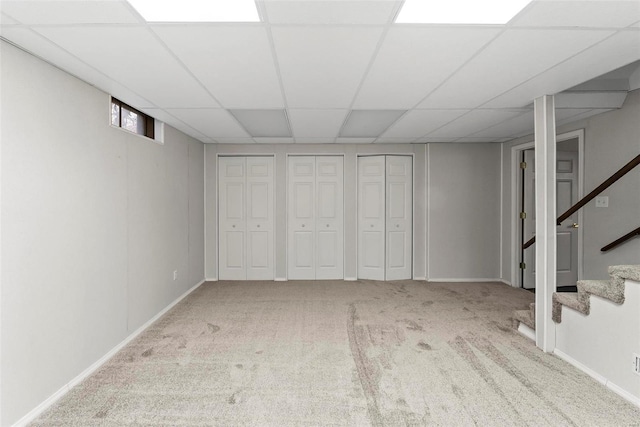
<point>545,189</point>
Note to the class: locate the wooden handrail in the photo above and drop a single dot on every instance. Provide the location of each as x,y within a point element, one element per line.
<point>621,240</point>
<point>586,199</point>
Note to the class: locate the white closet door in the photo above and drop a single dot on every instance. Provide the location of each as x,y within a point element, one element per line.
<point>399,238</point>
<point>301,220</point>
<point>259,214</point>
<point>371,217</point>
<point>232,222</point>
<point>329,217</point>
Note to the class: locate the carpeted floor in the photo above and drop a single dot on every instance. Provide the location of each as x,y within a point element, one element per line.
<point>340,353</point>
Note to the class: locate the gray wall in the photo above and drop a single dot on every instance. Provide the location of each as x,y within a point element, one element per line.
<point>463,216</point>
<point>94,222</point>
<point>611,140</point>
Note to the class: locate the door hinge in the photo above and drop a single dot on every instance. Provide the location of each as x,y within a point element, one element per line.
<point>523,266</point>
<point>523,215</point>
<point>523,165</point>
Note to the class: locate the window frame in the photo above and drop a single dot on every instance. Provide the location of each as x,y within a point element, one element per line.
<point>149,122</point>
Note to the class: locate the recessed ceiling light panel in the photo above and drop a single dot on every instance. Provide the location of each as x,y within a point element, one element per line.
<point>369,123</point>
<point>197,10</point>
<point>459,11</point>
<point>264,123</point>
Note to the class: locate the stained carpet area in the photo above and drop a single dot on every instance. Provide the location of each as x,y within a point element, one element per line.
<point>340,353</point>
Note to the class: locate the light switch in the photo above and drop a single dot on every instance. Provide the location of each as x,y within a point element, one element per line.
<point>602,202</point>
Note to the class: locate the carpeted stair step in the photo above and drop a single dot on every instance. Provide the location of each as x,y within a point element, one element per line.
<point>524,316</point>
<point>612,289</point>
<point>571,300</point>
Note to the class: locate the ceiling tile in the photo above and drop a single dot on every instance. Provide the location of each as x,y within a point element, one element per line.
<point>264,123</point>
<point>322,67</point>
<point>264,140</point>
<point>369,123</point>
<point>212,122</point>
<point>330,12</point>
<point>143,64</point>
<point>612,53</point>
<point>245,78</point>
<point>428,140</point>
<point>385,140</point>
<point>355,140</point>
<point>473,122</point>
<point>510,60</point>
<point>613,14</point>
<point>315,140</point>
<point>310,123</point>
<point>49,12</point>
<point>38,45</point>
<point>235,140</point>
<point>6,20</point>
<point>417,123</point>
<point>590,99</point>
<point>509,128</point>
<point>415,60</point>
<point>471,140</point>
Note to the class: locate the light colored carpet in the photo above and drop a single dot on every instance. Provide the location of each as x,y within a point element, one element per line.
<point>340,353</point>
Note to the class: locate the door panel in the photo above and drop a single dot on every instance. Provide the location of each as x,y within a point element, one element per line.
<point>567,234</point>
<point>371,217</point>
<point>399,221</point>
<point>232,223</point>
<point>329,217</point>
<point>315,217</point>
<point>246,218</point>
<point>301,222</point>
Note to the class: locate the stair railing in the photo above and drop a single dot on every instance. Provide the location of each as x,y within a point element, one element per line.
<point>586,199</point>
<point>621,240</point>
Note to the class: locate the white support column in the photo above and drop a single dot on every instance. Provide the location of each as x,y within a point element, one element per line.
<point>545,159</point>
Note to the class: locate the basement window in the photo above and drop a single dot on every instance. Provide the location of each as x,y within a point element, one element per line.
<point>128,118</point>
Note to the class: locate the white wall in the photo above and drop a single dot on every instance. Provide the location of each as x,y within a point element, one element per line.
<point>94,222</point>
<point>611,140</point>
<point>463,215</point>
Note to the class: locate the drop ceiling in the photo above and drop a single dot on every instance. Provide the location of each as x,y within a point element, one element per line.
<point>309,66</point>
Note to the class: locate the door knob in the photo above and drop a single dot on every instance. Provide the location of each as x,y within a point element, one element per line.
<point>233,226</point>
<point>371,225</point>
<point>397,225</point>
<point>302,225</point>
<point>575,225</point>
<point>327,225</point>
<point>258,225</point>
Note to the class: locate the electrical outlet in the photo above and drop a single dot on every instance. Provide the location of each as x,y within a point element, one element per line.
<point>602,202</point>
<point>175,274</point>
<point>636,363</point>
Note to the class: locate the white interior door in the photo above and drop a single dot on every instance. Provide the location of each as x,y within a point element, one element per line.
<point>246,223</point>
<point>301,221</point>
<point>371,217</point>
<point>329,217</point>
<point>567,232</point>
<point>232,221</point>
<point>399,217</point>
<point>260,218</point>
<point>315,238</point>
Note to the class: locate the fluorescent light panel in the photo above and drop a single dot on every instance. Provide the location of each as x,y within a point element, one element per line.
<point>369,123</point>
<point>459,11</point>
<point>197,10</point>
<point>264,123</point>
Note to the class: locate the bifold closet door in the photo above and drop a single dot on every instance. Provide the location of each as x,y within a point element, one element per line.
<point>315,242</point>
<point>245,208</point>
<point>385,222</point>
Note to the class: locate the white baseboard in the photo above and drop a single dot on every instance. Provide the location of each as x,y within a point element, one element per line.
<point>280,279</point>
<point>506,282</point>
<point>350,279</point>
<point>35,412</point>
<point>596,376</point>
<point>593,374</point>
<point>420,278</point>
<point>465,280</point>
<point>214,279</point>
<point>527,331</point>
